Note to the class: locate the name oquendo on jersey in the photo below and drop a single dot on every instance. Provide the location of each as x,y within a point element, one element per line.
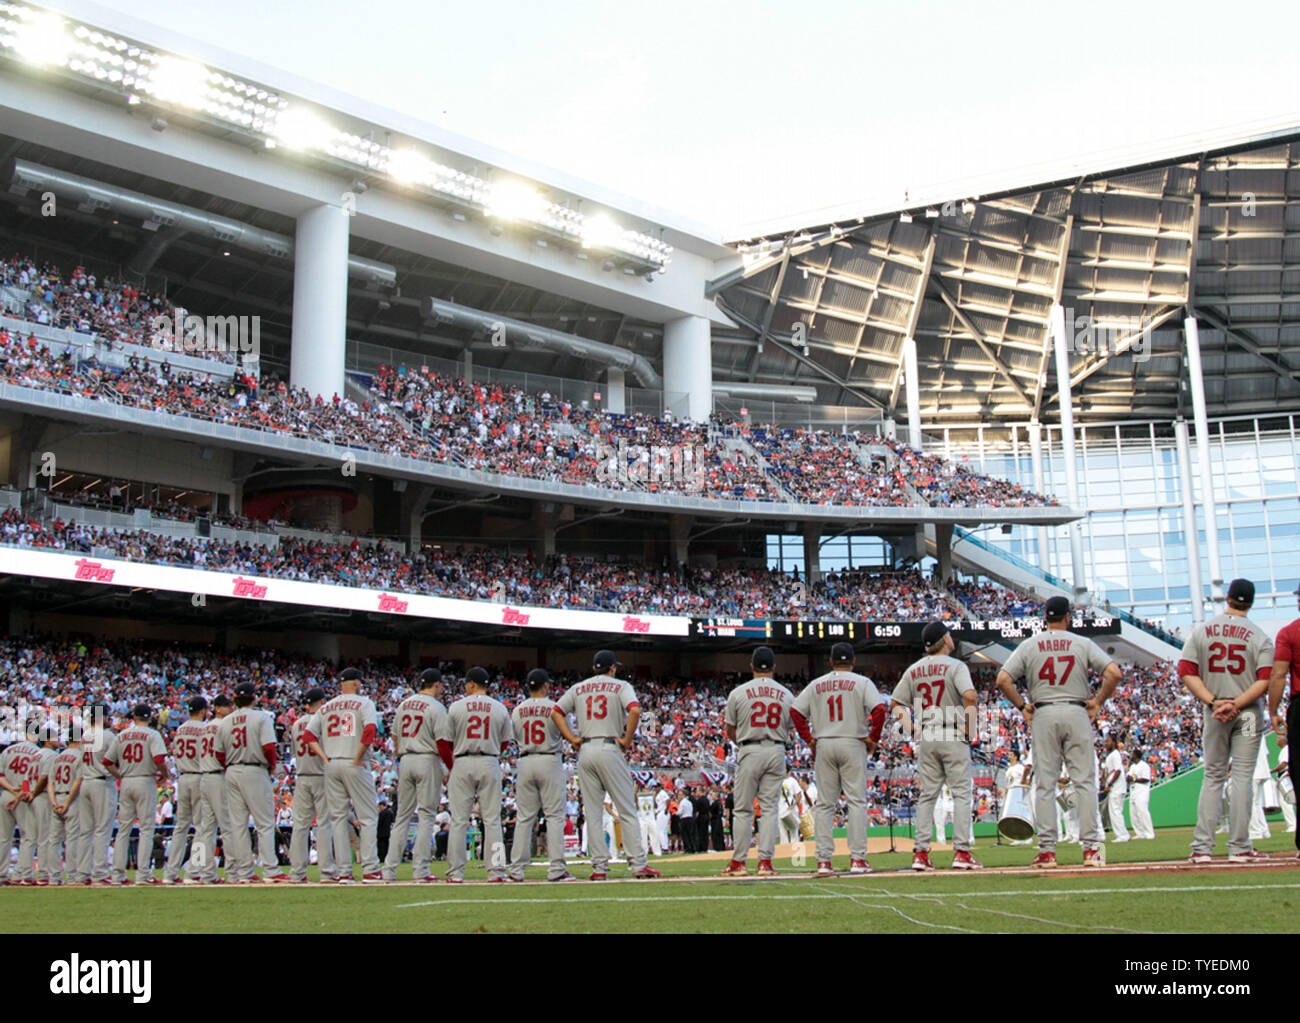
<point>478,725</point>
<point>344,726</point>
<point>933,689</point>
<point>418,727</point>
<point>535,729</point>
<point>1229,653</point>
<point>839,705</point>
<point>246,737</point>
<point>1055,666</point>
<point>305,762</point>
<point>18,764</point>
<point>187,747</point>
<point>63,771</point>
<point>601,705</point>
<point>137,752</point>
<point>759,710</point>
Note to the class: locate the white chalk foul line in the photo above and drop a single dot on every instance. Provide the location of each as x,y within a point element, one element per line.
<point>870,893</point>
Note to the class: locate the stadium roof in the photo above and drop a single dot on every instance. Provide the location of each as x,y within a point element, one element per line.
<point>974,276</point>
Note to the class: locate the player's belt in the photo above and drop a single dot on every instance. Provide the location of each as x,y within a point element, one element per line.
<point>538,753</point>
<point>1061,703</point>
<point>302,774</point>
<point>601,738</point>
<point>477,755</point>
<point>762,742</point>
<point>419,753</point>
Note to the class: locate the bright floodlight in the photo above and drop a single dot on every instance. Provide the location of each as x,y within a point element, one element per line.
<point>409,166</point>
<point>513,200</point>
<point>301,129</point>
<point>600,232</point>
<point>43,40</point>
<point>180,81</point>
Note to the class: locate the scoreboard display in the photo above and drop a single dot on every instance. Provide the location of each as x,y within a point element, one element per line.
<point>899,633</point>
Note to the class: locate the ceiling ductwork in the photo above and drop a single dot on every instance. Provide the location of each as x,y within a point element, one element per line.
<point>85,194</point>
<point>530,335</point>
<point>767,392</point>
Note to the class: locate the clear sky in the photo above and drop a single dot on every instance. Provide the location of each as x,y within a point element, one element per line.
<point>735,113</point>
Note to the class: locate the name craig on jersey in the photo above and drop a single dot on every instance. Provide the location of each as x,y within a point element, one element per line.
<point>479,705</point>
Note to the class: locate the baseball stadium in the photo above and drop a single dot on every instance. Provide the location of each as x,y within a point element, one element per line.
<point>917,567</point>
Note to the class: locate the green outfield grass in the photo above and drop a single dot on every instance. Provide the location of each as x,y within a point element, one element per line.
<point>942,902</point>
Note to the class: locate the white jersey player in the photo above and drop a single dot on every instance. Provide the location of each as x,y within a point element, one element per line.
<point>341,734</point>
<point>18,767</point>
<point>846,713</point>
<point>98,800</point>
<point>1116,781</point>
<point>62,790</point>
<point>138,756</point>
<point>187,753</point>
<point>417,725</point>
<point>310,808</point>
<point>1139,781</point>
<point>245,747</point>
<point>539,780</point>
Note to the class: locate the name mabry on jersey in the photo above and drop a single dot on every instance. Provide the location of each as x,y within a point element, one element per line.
<point>73,976</point>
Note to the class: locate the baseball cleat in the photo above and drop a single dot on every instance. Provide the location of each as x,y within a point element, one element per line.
<point>859,867</point>
<point>765,869</point>
<point>598,877</point>
<point>42,882</point>
<point>152,880</point>
<point>825,869</point>
<point>515,880</point>
<point>496,880</point>
<point>1253,856</point>
<point>1095,857</point>
<point>735,869</point>
<point>566,876</point>
<point>428,879</point>
<point>965,861</point>
<point>108,881</point>
<point>454,880</point>
<point>375,877</point>
<point>177,880</point>
<point>921,860</point>
<point>646,873</point>
<point>277,878</point>
<point>1044,860</point>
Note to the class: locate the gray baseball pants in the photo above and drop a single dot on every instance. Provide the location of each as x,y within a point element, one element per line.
<point>309,806</point>
<point>419,781</point>
<point>1238,739</point>
<point>98,799</point>
<point>841,766</point>
<point>602,768</point>
<point>137,800</point>
<point>475,777</point>
<point>349,785</point>
<point>539,789</point>
<point>937,763</point>
<point>760,770</point>
<point>1063,733</point>
<point>249,793</point>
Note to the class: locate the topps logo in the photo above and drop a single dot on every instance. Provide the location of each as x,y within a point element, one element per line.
<point>102,977</point>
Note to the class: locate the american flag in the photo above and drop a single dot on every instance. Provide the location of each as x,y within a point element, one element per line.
<point>715,777</point>
<point>643,778</point>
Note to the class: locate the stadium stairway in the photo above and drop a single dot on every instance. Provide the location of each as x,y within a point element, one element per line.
<point>1135,641</point>
<point>753,456</point>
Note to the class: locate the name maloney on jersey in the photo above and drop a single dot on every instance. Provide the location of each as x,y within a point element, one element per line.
<point>929,670</point>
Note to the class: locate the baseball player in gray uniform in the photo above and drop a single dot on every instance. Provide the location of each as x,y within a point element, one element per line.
<point>757,720</point>
<point>539,780</point>
<point>212,815</point>
<point>1226,664</point>
<point>98,800</point>
<point>61,790</point>
<point>416,727</point>
<point>187,751</point>
<point>478,727</point>
<point>18,766</point>
<point>1060,715</point>
<point>607,711</point>
<point>42,810</point>
<point>938,691</point>
<point>245,747</point>
<point>309,804</point>
<point>138,756</point>
<point>341,733</point>
<point>846,713</point>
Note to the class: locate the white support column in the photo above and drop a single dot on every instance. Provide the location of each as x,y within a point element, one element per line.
<point>1193,337</point>
<point>1190,539</point>
<point>912,389</point>
<point>1036,462</point>
<point>688,368</point>
<point>1067,445</point>
<point>468,372</point>
<point>320,301</point>
<point>615,391</point>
